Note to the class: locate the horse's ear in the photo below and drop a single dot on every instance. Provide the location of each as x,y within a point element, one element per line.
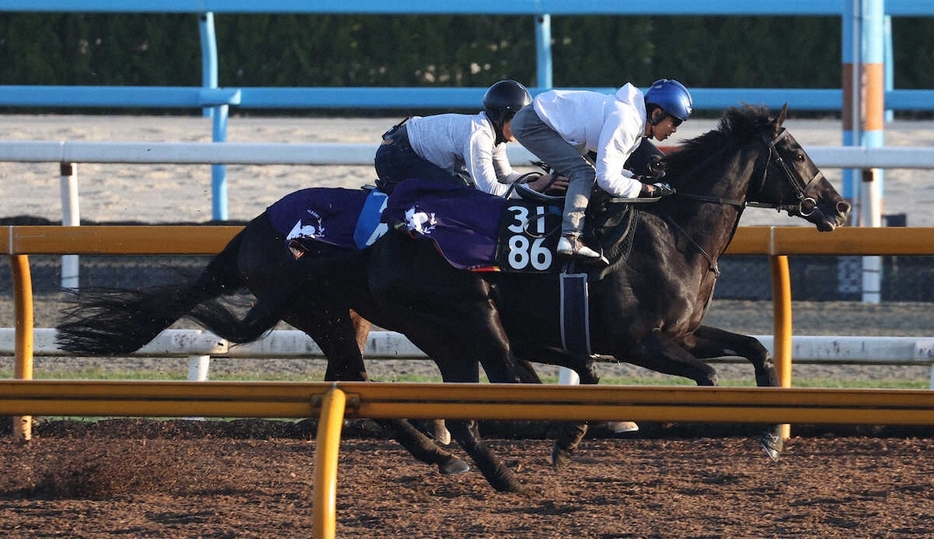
<point>781,116</point>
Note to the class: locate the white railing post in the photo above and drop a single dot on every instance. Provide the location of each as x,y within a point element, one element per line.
<point>71,216</point>
<point>198,367</point>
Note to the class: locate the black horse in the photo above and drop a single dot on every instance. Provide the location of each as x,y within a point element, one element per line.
<point>645,308</point>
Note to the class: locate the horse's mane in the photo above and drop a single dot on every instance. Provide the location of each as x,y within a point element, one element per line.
<point>737,125</point>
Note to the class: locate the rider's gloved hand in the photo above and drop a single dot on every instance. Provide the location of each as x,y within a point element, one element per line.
<point>551,184</point>
<point>662,189</point>
<point>655,190</point>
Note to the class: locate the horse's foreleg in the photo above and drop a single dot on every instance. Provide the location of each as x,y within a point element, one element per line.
<point>339,338</point>
<point>458,364</point>
<point>423,448</point>
<point>568,435</point>
<point>435,428</point>
<point>712,342</point>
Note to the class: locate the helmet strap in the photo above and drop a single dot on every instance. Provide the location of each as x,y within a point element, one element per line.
<point>497,129</point>
<point>500,138</point>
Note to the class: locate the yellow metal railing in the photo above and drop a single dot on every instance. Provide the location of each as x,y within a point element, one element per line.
<point>775,242</point>
<point>25,397</point>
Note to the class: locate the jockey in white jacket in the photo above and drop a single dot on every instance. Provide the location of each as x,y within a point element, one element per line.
<point>562,126</point>
<point>457,147</point>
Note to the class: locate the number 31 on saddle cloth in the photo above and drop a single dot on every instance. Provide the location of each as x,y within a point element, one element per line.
<point>477,231</point>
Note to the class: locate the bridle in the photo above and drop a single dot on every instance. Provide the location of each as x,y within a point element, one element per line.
<point>805,206</point>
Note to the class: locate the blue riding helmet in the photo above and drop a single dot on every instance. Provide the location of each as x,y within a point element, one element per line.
<point>672,97</point>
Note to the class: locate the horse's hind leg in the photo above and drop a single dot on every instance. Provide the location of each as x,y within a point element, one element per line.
<point>712,342</point>
<point>340,340</point>
<point>568,434</point>
<point>657,352</point>
<point>362,328</point>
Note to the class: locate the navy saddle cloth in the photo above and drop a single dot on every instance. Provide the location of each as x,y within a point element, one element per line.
<point>474,230</point>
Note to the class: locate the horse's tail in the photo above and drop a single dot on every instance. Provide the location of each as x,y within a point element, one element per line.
<point>260,319</point>
<point>108,321</point>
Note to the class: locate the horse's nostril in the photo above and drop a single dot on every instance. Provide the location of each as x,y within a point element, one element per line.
<point>843,208</point>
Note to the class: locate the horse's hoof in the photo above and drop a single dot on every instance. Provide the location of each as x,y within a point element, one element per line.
<point>440,432</point>
<point>620,427</point>
<point>453,466</point>
<point>560,457</point>
<point>523,490</point>
<point>772,443</point>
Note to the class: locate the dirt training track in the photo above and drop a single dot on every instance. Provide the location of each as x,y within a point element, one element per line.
<point>255,479</point>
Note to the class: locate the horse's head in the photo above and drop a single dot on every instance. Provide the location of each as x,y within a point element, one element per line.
<point>790,181</point>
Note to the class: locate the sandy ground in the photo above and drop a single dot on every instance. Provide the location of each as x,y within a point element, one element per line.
<point>252,479</point>
<point>171,193</point>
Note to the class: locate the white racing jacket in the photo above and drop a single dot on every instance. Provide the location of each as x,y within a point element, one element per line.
<point>610,125</point>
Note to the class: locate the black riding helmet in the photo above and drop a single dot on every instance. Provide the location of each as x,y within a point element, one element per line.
<point>502,101</point>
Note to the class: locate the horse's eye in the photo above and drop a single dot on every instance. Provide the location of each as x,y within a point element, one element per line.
<point>799,157</point>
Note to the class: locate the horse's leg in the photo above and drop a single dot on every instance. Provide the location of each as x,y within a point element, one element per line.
<point>339,338</point>
<point>435,428</point>
<point>449,314</point>
<point>362,328</point>
<point>568,433</point>
<point>456,358</point>
<point>467,432</point>
<point>657,352</point>
<point>714,342</point>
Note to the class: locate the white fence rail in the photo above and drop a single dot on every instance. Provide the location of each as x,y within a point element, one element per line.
<point>333,153</point>
<point>200,345</point>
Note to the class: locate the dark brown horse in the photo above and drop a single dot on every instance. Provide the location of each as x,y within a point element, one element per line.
<point>646,307</point>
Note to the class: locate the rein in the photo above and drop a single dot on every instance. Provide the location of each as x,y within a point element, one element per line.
<point>711,263</point>
<point>806,205</point>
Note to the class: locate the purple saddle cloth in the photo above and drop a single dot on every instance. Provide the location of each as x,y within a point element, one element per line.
<point>474,230</point>
<point>348,218</point>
